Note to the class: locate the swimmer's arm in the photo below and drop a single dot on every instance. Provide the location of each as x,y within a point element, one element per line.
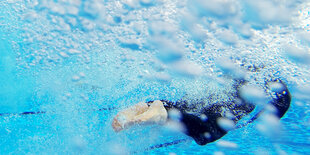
<point>140,113</point>
<point>155,114</point>
<point>132,111</point>
<point>122,119</point>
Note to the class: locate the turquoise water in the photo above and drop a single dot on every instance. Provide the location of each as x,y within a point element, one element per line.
<point>70,58</point>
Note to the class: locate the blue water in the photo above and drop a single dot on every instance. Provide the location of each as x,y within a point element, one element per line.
<point>72,58</point>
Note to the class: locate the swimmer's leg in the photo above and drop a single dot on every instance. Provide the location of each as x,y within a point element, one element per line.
<point>239,107</point>
<point>206,129</point>
<point>281,97</point>
<point>203,129</point>
<point>280,102</point>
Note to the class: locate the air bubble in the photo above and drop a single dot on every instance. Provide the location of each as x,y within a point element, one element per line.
<point>147,3</point>
<point>175,126</point>
<point>215,8</point>
<point>226,144</point>
<point>207,135</point>
<point>63,54</point>
<point>297,54</point>
<point>75,78</point>
<point>187,68</point>
<point>74,51</point>
<point>304,37</point>
<point>79,143</point>
<point>218,153</point>
<point>30,17</point>
<point>229,68</point>
<point>253,94</point>
<point>228,37</point>
<point>269,125</point>
<point>162,77</point>
<point>278,12</point>
<point>225,123</point>
<point>132,44</point>
<point>175,115</point>
<point>82,74</point>
<point>203,117</point>
<point>276,87</point>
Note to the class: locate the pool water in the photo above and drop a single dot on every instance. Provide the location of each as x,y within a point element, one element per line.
<point>81,61</point>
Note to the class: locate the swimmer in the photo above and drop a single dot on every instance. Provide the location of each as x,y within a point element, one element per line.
<point>204,126</point>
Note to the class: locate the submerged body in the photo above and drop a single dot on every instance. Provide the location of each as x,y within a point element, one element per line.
<point>203,126</point>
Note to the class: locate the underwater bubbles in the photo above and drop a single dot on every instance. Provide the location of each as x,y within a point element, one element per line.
<point>225,123</point>
<point>223,144</point>
<point>216,8</point>
<point>304,37</point>
<point>72,57</point>
<point>298,55</point>
<point>269,125</point>
<point>78,143</point>
<point>269,12</point>
<point>253,94</point>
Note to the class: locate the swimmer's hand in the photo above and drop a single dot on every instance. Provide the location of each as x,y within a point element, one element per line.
<point>140,113</point>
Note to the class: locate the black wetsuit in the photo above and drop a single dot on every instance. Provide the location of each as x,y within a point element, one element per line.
<point>206,130</point>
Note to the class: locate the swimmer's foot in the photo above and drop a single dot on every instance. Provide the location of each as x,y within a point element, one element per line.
<point>281,96</point>
<point>140,113</point>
